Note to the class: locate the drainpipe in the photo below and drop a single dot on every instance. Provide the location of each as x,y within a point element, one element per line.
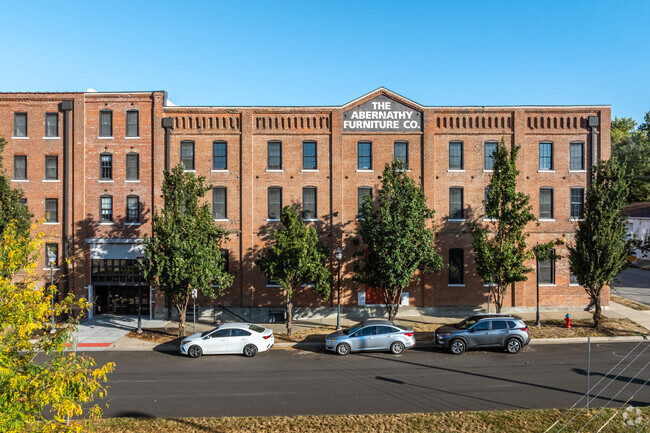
<point>66,107</point>
<point>168,124</point>
<point>593,123</point>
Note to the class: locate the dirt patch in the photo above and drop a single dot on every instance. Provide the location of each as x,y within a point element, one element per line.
<point>629,303</point>
<point>167,335</point>
<point>585,328</point>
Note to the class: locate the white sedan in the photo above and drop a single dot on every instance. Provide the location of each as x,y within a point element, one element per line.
<point>243,338</point>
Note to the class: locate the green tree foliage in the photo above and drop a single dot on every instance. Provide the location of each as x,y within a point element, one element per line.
<point>184,252</point>
<point>398,237</point>
<point>38,393</point>
<point>10,207</point>
<point>500,246</point>
<point>297,257</point>
<point>601,245</point>
<point>631,149</point>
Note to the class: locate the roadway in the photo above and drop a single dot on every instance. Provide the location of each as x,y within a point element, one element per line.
<point>634,284</point>
<point>294,382</point>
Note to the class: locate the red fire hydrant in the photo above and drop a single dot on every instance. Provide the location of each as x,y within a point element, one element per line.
<point>567,321</point>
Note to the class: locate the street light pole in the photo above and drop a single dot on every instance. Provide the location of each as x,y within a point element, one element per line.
<point>339,256</point>
<point>537,321</point>
<point>139,331</point>
<point>52,331</point>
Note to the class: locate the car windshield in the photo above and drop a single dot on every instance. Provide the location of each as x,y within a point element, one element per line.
<point>203,334</point>
<point>352,329</point>
<point>256,328</point>
<point>465,323</point>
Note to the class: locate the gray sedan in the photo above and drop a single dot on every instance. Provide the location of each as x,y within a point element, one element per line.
<point>371,335</point>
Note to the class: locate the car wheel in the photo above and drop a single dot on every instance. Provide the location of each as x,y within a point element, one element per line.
<point>250,350</point>
<point>513,345</point>
<point>343,349</point>
<point>457,347</point>
<point>194,352</point>
<point>397,347</point>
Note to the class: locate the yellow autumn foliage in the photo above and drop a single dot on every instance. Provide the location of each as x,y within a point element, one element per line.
<point>42,384</point>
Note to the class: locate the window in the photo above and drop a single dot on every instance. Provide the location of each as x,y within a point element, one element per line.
<point>456,204</point>
<point>309,155</point>
<point>456,274</point>
<point>133,123</point>
<point>486,200</point>
<point>577,202</point>
<point>546,203</point>
<point>106,166</point>
<point>577,156</point>
<point>51,124</point>
<point>219,207</point>
<point>573,279</point>
<point>20,124</point>
<point>364,155</point>
<point>362,192</point>
<point>274,157</point>
<point>20,167</point>
<point>51,254</point>
<point>482,326</point>
<point>401,152</point>
<point>187,155</point>
<point>226,260</point>
<point>133,209</point>
<point>546,156</point>
<point>22,201</point>
<point>219,155</point>
<point>51,210</point>
<point>106,123</point>
<point>490,149</point>
<point>51,167</point>
<point>132,166</point>
<point>499,324</point>
<point>106,209</point>
<point>274,202</point>
<point>546,271</point>
<point>456,155</point>
<point>309,203</point>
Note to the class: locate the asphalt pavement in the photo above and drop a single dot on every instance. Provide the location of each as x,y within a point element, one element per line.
<point>634,284</point>
<point>280,382</point>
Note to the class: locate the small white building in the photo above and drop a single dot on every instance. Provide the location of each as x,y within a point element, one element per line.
<point>638,223</point>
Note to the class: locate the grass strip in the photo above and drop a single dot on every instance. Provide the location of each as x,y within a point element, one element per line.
<point>457,422</point>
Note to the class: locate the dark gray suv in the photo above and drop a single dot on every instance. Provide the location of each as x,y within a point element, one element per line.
<point>484,330</point>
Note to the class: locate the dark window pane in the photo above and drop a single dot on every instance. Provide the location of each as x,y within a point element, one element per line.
<point>51,168</point>
<point>274,202</point>
<point>309,203</point>
<point>52,254</point>
<point>20,124</point>
<point>573,279</point>
<point>456,155</point>
<point>132,209</point>
<point>401,152</point>
<point>365,155</point>
<point>219,209</point>
<point>187,155</point>
<point>577,202</point>
<point>132,166</point>
<point>52,210</point>
<point>106,166</point>
<point>490,148</point>
<point>20,167</point>
<point>546,203</point>
<point>106,208</point>
<point>499,324</point>
<point>362,192</point>
<point>220,155</point>
<point>106,123</point>
<point>456,203</point>
<point>132,123</point>
<point>577,157</point>
<point>274,155</point>
<point>51,125</point>
<point>456,271</point>
<point>546,156</point>
<point>546,271</point>
<point>309,155</point>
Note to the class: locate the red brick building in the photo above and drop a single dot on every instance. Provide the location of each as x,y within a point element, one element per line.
<point>95,162</point>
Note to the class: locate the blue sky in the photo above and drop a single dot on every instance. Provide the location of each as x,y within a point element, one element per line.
<point>331,52</point>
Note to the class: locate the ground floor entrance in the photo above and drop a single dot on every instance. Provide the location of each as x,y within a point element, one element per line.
<point>117,286</point>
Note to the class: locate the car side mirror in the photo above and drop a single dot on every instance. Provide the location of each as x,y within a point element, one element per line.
<point>472,330</point>
<point>354,335</point>
<point>207,337</point>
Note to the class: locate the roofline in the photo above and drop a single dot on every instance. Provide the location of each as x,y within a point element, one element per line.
<point>331,107</point>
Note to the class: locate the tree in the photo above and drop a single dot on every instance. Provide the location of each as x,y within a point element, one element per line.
<point>601,245</point>
<point>184,251</point>
<point>39,393</point>
<point>631,149</point>
<point>297,257</point>
<point>500,248</point>
<point>10,206</point>
<point>398,237</point>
